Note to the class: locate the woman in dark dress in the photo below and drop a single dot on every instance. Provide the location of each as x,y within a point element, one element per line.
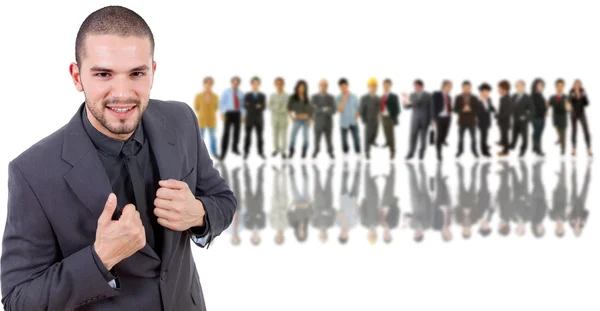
<point>579,101</point>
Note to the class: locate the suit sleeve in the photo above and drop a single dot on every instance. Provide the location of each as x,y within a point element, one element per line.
<point>35,276</point>
<point>215,194</point>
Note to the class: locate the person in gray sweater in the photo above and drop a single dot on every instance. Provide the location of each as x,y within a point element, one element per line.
<point>324,109</point>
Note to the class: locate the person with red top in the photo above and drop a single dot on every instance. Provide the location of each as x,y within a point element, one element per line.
<point>231,109</point>
<point>442,105</point>
<point>390,110</point>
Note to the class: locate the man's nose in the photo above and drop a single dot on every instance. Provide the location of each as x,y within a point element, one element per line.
<point>121,88</point>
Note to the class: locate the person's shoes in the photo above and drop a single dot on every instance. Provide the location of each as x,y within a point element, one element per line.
<point>236,152</point>
<point>502,154</point>
<point>439,157</point>
<point>590,154</point>
<point>475,155</point>
<point>521,154</point>
<point>408,157</point>
<point>445,144</point>
<point>245,155</point>
<point>458,154</point>
<point>368,156</point>
<point>291,153</point>
<point>304,152</point>
<point>541,153</point>
<point>283,156</point>
<point>262,156</point>
<point>331,155</point>
<point>392,155</point>
<point>421,156</point>
<point>486,154</point>
<point>274,154</point>
<point>314,156</point>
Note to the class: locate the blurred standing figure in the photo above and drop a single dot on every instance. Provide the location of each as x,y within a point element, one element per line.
<point>442,106</point>
<point>484,119</point>
<point>231,113</point>
<point>206,105</point>
<point>579,101</point>
<point>252,115</point>
<point>348,213</point>
<point>279,117</point>
<point>324,107</point>
<point>521,116</point>
<point>390,110</point>
<point>422,104</point>
<point>504,116</point>
<point>538,115</point>
<point>467,107</point>
<point>370,111</point>
<point>300,111</point>
<point>347,106</point>
<point>279,203</point>
<point>255,216</point>
<point>560,107</point>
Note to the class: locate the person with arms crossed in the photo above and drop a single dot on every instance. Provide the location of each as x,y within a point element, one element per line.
<point>467,107</point>
<point>347,106</point>
<point>279,117</point>
<point>300,111</point>
<point>560,108</point>
<point>102,213</point>
<point>579,102</point>
<point>324,107</point>
<point>484,119</point>
<point>522,108</point>
<point>370,112</point>
<point>252,116</point>
<point>538,116</point>
<point>231,107</point>
<point>504,115</point>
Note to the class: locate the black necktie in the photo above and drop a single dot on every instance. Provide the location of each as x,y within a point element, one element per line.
<point>130,149</point>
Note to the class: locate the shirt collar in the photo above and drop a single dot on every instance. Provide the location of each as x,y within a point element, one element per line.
<point>109,145</point>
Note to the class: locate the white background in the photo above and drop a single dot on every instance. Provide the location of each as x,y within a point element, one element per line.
<point>432,40</point>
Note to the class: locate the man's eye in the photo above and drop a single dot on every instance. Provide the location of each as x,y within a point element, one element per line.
<point>102,74</point>
<point>138,74</point>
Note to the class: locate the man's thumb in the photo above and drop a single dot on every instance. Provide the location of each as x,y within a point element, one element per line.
<point>109,207</point>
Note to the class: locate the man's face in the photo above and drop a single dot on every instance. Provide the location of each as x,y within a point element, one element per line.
<point>387,87</point>
<point>235,83</point>
<point>255,85</point>
<point>279,85</point>
<point>520,87</point>
<point>208,85</point>
<point>466,88</point>
<point>323,86</point>
<point>417,87</point>
<point>372,88</point>
<point>344,88</point>
<point>484,93</point>
<point>447,88</point>
<point>560,87</point>
<point>116,75</point>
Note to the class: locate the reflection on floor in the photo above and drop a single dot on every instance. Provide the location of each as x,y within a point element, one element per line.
<point>488,198</point>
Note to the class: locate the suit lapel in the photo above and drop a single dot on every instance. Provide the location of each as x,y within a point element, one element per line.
<point>163,141</point>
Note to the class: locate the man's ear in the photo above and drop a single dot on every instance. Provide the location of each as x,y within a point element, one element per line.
<point>76,76</point>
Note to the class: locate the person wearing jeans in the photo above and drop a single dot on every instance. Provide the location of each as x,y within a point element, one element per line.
<point>539,114</point>
<point>300,111</point>
<point>347,105</point>
<point>206,105</point>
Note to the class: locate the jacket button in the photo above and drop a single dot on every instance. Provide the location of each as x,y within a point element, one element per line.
<point>163,276</point>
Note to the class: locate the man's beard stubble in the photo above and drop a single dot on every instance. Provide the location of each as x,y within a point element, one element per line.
<point>97,112</point>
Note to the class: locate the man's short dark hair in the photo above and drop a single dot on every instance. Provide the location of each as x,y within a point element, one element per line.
<point>387,80</point>
<point>279,79</point>
<point>257,79</point>
<point>505,85</point>
<point>485,87</point>
<point>559,80</point>
<point>209,78</point>
<point>418,82</point>
<point>111,20</point>
<point>343,81</point>
<point>446,82</point>
<point>236,78</point>
<point>466,82</point>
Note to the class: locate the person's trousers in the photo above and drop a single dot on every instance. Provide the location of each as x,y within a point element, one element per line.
<point>280,132</point>
<point>562,138</point>
<point>504,138</point>
<point>538,130</point>
<point>370,136</point>
<point>483,140</point>
<point>418,130</point>
<point>442,127</point>
<point>353,129</point>
<point>233,119</point>
<point>520,128</point>
<point>388,131</point>
<point>299,125</point>
<point>584,125</point>
<point>461,134</point>
<point>258,127</point>
<point>319,131</point>
<point>213,139</point>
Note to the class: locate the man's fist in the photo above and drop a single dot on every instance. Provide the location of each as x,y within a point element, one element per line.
<point>176,206</point>
<point>118,239</point>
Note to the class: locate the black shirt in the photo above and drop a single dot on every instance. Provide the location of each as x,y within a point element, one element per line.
<point>110,151</point>
<point>539,106</point>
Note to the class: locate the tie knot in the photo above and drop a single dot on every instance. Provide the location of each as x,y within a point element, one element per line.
<point>130,148</point>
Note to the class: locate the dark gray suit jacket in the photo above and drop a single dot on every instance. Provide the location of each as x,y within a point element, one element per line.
<point>57,189</point>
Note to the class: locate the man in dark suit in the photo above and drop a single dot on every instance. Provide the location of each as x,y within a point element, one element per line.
<point>467,107</point>
<point>252,115</point>
<point>390,110</point>
<point>101,213</point>
<point>442,106</point>
<point>521,115</point>
<point>484,119</point>
<point>504,116</point>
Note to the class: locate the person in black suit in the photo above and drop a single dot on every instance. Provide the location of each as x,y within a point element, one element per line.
<point>252,115</point>
<point>484,119</point>
<point>504,115</point>
<point>559,103</point>
<point>538,115</point>
<point>103,213</point>
<point>389,205</point>
<point>442,105</point>
<point>467,107</point>
<point>521,115</point>
<point>390,110</point>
